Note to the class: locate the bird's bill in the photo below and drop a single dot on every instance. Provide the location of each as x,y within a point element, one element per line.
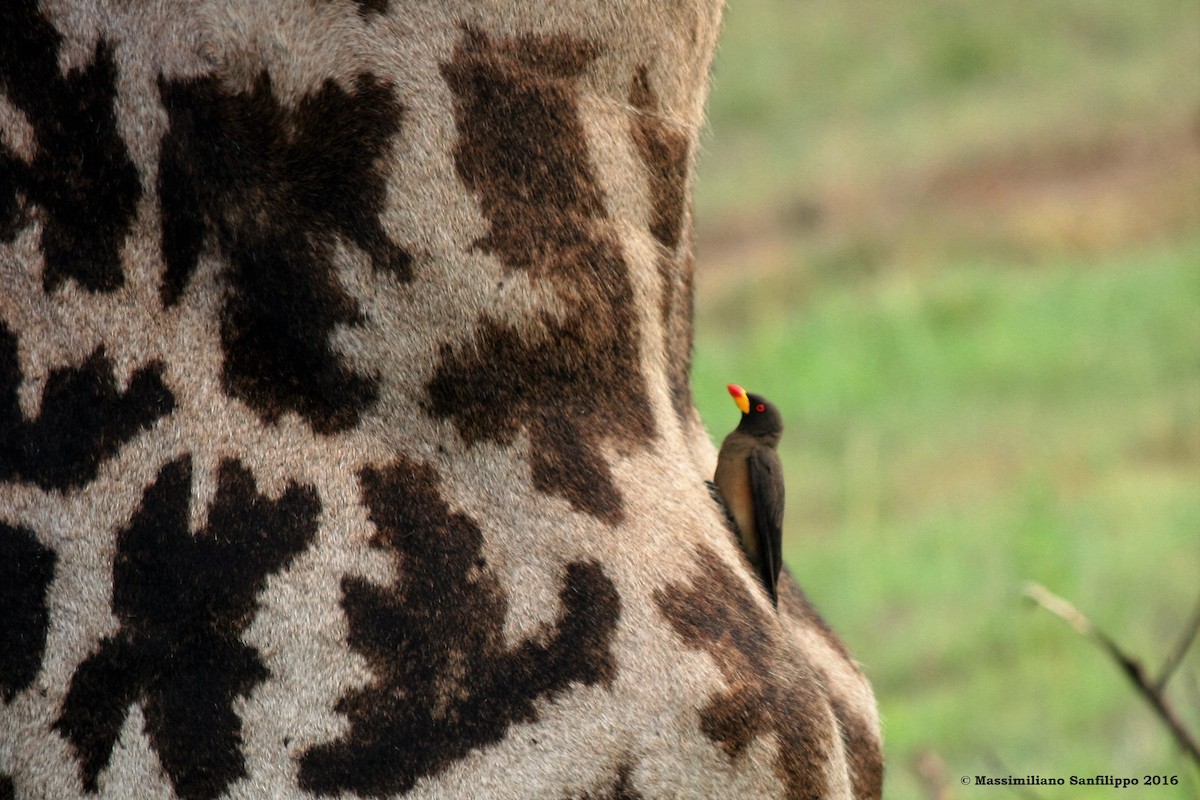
<point>739,397</point>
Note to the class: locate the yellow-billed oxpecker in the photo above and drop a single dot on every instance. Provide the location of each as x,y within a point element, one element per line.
<point>750,479</point>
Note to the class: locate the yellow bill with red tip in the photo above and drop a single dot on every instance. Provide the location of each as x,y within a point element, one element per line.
<point>739,397</point>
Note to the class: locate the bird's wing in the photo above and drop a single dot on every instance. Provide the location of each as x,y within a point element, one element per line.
<point>766,487</point>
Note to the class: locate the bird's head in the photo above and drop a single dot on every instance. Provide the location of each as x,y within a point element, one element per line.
<point>760,418</point>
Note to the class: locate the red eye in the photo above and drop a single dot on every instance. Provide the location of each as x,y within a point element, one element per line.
<point>760,408</point>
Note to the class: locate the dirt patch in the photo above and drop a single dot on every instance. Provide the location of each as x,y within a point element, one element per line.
<point>1096,197</point>
<point>1101,195</point>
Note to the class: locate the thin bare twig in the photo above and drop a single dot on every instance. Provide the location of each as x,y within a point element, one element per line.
<point>1130,666</point>
<point>1181,647</point>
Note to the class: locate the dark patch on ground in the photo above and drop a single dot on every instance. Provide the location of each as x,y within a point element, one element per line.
<point>445,682</point>
<point>1013,204</point>
<point>184,602</point>
<point>270,188</point>
<point>769,691</point>
<point>666,153</point>
<point>83,421</point>
<point>81,175</point>
<point>572,383</point>
<point>26,570</point>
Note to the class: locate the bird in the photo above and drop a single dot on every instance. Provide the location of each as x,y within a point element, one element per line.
<point>749,479</point>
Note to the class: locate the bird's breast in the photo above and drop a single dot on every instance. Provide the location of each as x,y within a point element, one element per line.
<point>733,482</point>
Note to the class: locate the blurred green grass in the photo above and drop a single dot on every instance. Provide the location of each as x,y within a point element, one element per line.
<point>831,91</point>
<point>959,244</point>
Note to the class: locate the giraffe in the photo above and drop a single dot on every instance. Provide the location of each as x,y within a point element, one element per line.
<point>347,446</point>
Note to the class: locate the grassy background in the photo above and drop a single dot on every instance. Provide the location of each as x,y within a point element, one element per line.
<point>959,245</point>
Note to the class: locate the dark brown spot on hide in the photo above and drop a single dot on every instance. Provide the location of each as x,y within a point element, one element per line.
<point>81,175</point>
<point>522,148</point>
<point>770,690</point>
<point>270,189</point>
<point>678,330</point>
<point>863,751</point>
<point>795,607</point>
<point>26,570</point>
<point>183,602</point>
<point>445,683</point>
<point>367,9</point>
<point>861,740</point>
<point>665,151</point>
<point>621,788</point>
<point>83,420</point>
<point>11,171</point>
<point>503,382</point>
<point>573,382</point>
